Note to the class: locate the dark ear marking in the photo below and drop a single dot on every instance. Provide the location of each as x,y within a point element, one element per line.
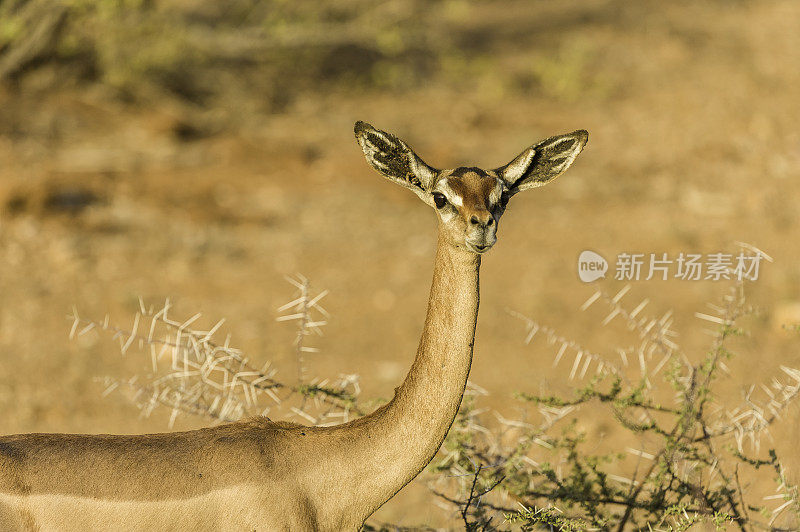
<point>543,162</point>
<point>394,158</point>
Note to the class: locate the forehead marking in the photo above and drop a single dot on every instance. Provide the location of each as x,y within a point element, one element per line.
<point>451,195</point>
<point>473,186</point>
<point>463,171</point>
<point>494,196</point>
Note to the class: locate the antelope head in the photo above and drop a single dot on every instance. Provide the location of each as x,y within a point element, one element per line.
<point>469,201</point>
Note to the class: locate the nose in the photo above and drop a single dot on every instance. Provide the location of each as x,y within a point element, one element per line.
<point>483,218</point>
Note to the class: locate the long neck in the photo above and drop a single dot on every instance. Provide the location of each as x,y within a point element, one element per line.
<point>389,447</point>
<point>426,403</point>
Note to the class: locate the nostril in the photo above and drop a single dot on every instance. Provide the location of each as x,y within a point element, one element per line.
<point>490,221</point>
<point>474,220</point>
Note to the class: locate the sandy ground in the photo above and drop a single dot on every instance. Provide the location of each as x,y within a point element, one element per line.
<point>691,110</point>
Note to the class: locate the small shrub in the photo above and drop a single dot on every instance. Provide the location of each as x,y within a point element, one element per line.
<point>695,446</point>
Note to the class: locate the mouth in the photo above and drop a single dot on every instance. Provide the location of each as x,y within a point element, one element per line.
<point>477,248</point>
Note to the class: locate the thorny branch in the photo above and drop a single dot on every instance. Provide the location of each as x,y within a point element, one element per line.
<point>215,380</point>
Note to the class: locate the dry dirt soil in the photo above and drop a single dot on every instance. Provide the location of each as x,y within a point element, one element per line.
<point>692,112</point>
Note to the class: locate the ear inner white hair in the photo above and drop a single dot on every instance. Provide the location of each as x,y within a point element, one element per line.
<point>395,159</point>
<point>516,169</point>
<point>543,162</point>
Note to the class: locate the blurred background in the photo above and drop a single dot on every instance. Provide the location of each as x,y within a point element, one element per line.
<point>203,150</point>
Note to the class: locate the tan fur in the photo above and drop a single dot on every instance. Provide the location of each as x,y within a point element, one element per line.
<point>260,475</point>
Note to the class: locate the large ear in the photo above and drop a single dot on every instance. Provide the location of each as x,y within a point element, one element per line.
<point>543,162</point>
<point>395,159</point>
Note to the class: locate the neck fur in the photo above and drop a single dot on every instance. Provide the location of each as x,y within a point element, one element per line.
<point>390,447</point>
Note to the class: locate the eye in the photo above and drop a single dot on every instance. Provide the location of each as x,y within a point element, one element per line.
<point>439,200</point>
